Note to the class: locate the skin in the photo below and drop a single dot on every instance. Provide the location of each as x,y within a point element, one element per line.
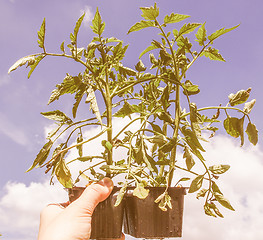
<point>73,222</point>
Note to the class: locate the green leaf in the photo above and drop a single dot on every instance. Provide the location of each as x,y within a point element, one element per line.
<point>188,158</point>
<point>215,188</point>
<point>106,144</point>
<point>219,169</point>
<point>231,126</point>
<point>34,65</point>
<point>223,201</point>
<point>187,28</point>
<point>201,35</point>
<point>121,194</point>
<point>41,34</point>
<point>220,32</point>
<point>201,193</point>
<point>150,48</point>
<point>235,127</point>
<point>141,25</point>
<point>69,85</point>
<point>140,66</point>
<point>191,138</point>
<point>119,51</point>
<point>189,88</point>
<point>29,60</point>
<point>150,13</point>
<point>126,110</point>
<point>62,47</point>
<point>57,116</point>
<point>140,191</point>
<point>98,26</point>
<point>167,147</point>
<point>42,155</point>
<point>91,98</point>
<point>248,106</point>
<point>239,97</point>
<point>63,174</point>
<point>77,26</point>
<point>252,133</point>
<point>196,184</point>
<point>213,54</point>
<point>174,18</point>
<point>78,98</point>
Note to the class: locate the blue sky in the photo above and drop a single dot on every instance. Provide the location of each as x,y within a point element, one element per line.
<point>22,128</point>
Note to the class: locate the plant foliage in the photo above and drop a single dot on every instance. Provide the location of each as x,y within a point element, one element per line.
<point>152,93</point>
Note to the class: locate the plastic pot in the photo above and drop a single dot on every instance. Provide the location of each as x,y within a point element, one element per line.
<point>144,219</point>
<point>106,219</point>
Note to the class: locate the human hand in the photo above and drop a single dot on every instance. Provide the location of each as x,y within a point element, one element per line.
<point>73,222</point>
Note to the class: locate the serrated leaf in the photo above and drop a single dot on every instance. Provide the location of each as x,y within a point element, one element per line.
<point>97,25</point>
<point>187,28</point>
<point>213,54</point>
<point>223,201</point>
<point>248,106</point>
<point>126,110</point>
<point>22,61</point>
<point>167,147</point>
<point>57,116</point>
<point>41,34</point>
<point>239,97</point>
<point>34,65</point>
<point>220,32</point>
<point>140,191</point>
<point>196,184</point>
<point>201,35</point>
<point>252,133</point>
<point>42,155</point>
<point>150,13</point>
<point>91,98</point>
<point>219,169</point>
<point>63,174</point>
<point>119,51</point>
<point>174,18</point>
<point>141,25</point>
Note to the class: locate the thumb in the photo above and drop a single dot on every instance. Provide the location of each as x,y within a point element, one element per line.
<point>94,194</point>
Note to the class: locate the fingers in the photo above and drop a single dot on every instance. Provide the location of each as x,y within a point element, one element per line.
<point>94,194</point>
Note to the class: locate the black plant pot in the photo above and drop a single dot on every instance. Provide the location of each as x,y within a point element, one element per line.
<point>106,219</point>
<point>144,219</point>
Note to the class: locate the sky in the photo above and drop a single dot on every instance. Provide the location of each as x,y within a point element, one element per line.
<point>23,130</point>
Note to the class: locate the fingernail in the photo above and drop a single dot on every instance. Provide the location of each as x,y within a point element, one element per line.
<point>107,182</point>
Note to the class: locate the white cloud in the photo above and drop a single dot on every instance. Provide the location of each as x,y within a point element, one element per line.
<point>13,131</point>
<point>242,185</point>
<point>88,15</point>
<point>21,205</point>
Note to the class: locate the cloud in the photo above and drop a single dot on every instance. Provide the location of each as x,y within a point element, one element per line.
<point>242,185</point>
<point>12,131</point>
<point>21,205</point>
<point>88,15</point>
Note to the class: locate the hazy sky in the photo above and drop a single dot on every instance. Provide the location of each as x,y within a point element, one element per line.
<point>23,129</point>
